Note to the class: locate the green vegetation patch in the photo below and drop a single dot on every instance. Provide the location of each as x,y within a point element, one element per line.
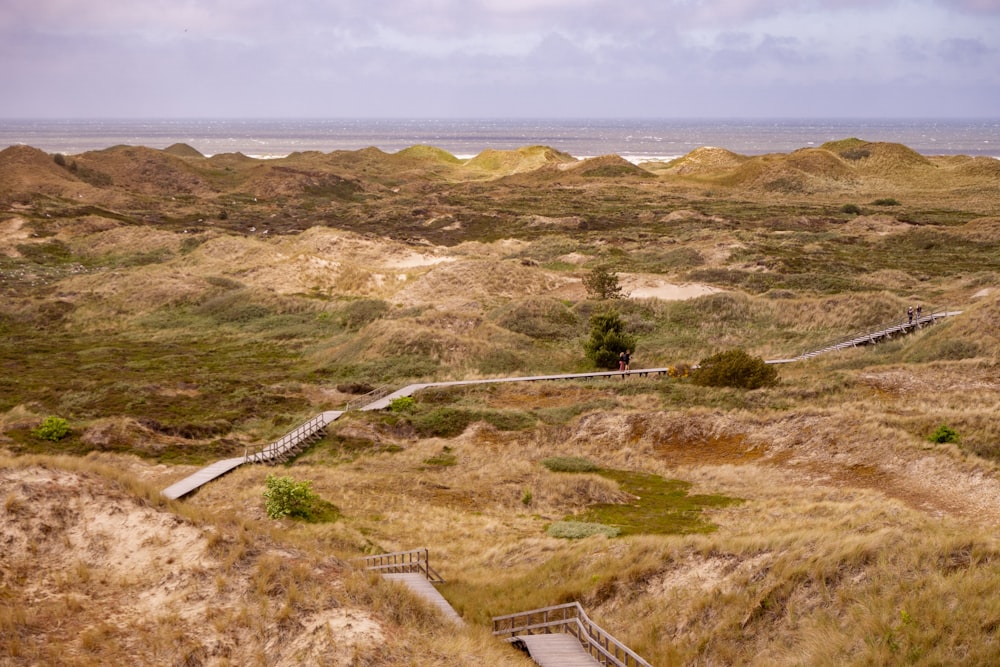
<point>575,530</point>
<point>569,464</point>
<point>660,506</point>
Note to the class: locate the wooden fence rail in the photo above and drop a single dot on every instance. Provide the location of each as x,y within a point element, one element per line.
<point>571,619</point>
<point>415,560</point>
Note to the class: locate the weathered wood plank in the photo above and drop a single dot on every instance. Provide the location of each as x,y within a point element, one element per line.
<point>557,650</point>
<point>419,584</point>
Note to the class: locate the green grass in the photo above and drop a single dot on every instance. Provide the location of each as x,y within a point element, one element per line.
<point>660,506</point>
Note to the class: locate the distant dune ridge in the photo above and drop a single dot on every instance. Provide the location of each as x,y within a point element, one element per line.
<point>180,169</point>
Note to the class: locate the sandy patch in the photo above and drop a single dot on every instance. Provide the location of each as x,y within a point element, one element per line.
<point>415,260</point>
<point>648,287</point>
<point>12,233</point>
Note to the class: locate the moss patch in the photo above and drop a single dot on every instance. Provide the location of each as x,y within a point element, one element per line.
<point>660,507</point>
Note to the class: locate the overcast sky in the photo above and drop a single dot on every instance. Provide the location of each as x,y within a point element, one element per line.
<point>499,58</point>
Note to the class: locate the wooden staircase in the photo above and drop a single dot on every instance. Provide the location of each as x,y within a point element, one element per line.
<point>413,570</point>
<point>564,636</point>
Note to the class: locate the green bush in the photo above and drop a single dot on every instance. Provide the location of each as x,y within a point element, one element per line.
<point>52,428</point>
<point>734,368</point>
<point>283,496</point>
<point>575,530</point>
<point>943,434</point>
<point>607,340</point>
<point>886,201</point>
<point>569,464</point>
<point>403,404</point>
<point>851,209</point>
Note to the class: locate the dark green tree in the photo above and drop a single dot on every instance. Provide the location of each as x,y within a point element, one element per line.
<point>607,339</point>
<point>603,284</point>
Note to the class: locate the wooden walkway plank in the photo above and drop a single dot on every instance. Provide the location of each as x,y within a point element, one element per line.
<point>557,650</point>
<point>203,476</point>
<point>419,584</point>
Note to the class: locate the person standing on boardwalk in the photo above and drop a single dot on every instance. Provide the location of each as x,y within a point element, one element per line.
<point>920,311</point>
<point>626,359</point>
<point>909,314</point>
<point>621,361</point>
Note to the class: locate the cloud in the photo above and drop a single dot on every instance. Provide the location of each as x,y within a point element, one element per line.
<point>399,57</point>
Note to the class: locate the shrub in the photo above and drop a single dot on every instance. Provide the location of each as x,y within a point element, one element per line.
<point>851,209</point>
<point>283,496</point>
<point>735,368</point>
<point>575,530</point>
<point>403,404</point>
<point>569,464</point>
<point>943,434</point>
<point>886,201</point>
<point>603,284</point>
<point>607,339</point>
<point>52,428</point>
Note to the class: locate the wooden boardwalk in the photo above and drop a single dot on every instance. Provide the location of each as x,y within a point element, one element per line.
<point>293,441</point>
<point>420,585</point>
<point>557,650</point>
<point>564,635</point>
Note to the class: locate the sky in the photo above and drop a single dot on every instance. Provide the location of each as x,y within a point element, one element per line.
<point>499,58</point>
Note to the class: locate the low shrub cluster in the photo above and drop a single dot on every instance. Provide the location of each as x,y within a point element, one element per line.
<point>569,464</point>
<point>734,368</point>
<point>575,530</point>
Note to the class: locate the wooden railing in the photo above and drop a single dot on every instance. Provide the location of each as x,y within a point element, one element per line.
<point>287,442</point>
<point>415,560</point>
<point>872,335</point>
<point>368,398</point>
<point>569,618</point>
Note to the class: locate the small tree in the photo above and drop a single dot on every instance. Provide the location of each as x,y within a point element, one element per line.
<point>607,339</point>
<point>735,368</point>
<point>603,284</point>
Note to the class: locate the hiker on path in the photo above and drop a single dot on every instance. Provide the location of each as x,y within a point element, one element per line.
<point>909,314</point>
<point>626,359</point>
<point>621,361</point>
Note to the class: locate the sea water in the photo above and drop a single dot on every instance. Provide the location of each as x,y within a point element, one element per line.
<point>636,140</point>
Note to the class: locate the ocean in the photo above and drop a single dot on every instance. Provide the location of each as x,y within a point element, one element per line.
<point>636,140</point>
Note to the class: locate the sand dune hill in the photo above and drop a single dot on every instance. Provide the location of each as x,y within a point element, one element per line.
<point>783,174</point>
<point>183,150</point>
<point>25,171</point>
<point>145,170</point>
<point>978,166</point>
<point>605,166</point>
<point>280,180</point>
<point>981,229</point>
<point>422,153</point>
<point>818,162</point>
<point>530,158</point>
<point>230,161</point>
<point>705,160</point>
